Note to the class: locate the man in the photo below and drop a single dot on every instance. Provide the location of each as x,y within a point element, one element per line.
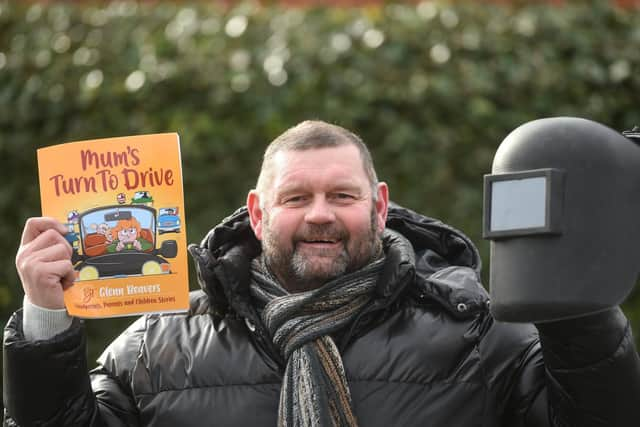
<point>322,305</point>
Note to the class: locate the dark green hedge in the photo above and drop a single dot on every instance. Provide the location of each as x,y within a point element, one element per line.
<point>433,88</point>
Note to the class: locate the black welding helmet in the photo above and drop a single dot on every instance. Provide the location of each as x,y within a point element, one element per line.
<point>562,211</point>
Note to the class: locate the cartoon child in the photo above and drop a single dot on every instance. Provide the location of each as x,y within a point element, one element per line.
<point>126,236</point>
<point>103,229</point>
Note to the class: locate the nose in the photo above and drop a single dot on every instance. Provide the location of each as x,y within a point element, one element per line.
<point>320,211</point>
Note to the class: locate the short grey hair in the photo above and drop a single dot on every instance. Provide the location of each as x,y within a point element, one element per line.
<point>312,134</point>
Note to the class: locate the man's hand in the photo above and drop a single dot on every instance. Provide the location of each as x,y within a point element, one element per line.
<point>43,262</point>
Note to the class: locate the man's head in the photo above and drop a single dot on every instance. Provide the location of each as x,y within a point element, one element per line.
<point>313,134</point>
<point>318,208</point>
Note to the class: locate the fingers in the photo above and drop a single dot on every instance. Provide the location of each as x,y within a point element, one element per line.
<point>44,274</point>
<point>43,252</point>
<point>48,246</point>
<point>69,277</point>
<point>43,282</point>
<point>36,226</point>
<point>57,270</point>
<point>43,262</point>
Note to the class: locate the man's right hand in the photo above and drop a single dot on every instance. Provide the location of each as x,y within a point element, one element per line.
<point>44,262</point>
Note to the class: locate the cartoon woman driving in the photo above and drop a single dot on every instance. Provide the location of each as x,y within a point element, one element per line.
<point>126,236</point>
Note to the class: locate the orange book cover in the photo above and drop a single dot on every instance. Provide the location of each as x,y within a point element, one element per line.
<point>123,203</point>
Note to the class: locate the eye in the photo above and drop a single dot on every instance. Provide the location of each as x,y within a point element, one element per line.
<point>343,197</point>
<point>293,200</point>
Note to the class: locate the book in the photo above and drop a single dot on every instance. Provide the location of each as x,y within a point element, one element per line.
<point>123,204</point>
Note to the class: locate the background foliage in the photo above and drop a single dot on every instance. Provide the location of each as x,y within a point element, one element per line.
<point>433,88</point>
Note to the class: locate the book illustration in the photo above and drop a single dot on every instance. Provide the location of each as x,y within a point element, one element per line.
<point>142,198</point>
<point>72,236</point>
<point>118,241</point>
<point>122,202</point>
<point>168,220</point>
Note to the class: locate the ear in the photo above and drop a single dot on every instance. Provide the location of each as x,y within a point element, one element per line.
<point>382,204</point>
<point>255,213</point>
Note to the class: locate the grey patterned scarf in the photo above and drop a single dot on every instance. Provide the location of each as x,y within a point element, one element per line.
<point>314,390</point>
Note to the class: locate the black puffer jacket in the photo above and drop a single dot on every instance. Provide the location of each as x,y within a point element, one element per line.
<point>426,353</point>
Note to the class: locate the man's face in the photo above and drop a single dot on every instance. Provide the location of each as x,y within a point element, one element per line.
<point>319,220</point>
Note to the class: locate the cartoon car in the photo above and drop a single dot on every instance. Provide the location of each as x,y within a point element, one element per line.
<point>168,220</point>
<point>131,248</point>
<point>142,198</point>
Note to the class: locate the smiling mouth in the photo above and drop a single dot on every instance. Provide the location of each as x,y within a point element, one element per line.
<point>321,243</point>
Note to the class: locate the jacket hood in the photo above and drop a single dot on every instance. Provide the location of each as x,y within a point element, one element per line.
<point>442,262</point>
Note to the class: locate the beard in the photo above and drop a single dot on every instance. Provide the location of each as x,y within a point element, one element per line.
<point>298,271</point>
